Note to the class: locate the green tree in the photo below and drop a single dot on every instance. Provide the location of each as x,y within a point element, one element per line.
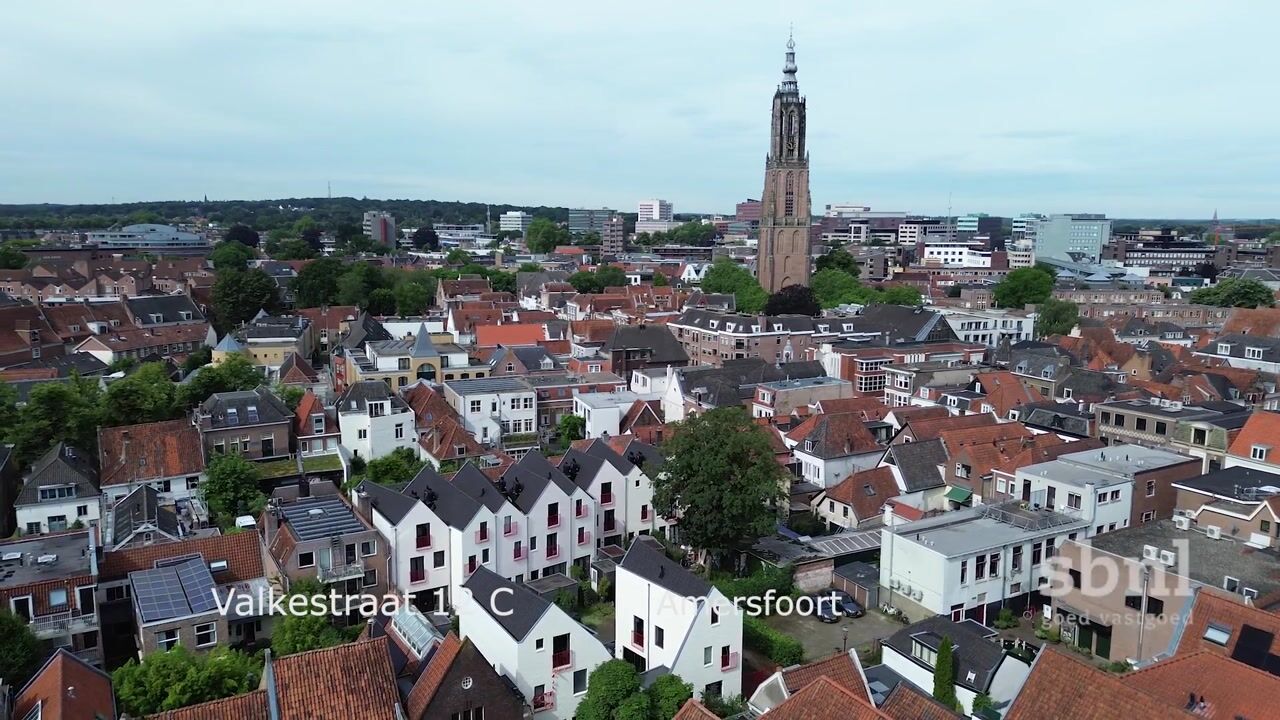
<point>544,235</point>
<point>610,685</point>
<point>611,276</point>
<point>1057,317</point>
<point>317,283</point>
<point>1235,292</point>
<point>412,298</point>
<point>313,238</point>
<point>242,234</point>
<point>1273,237</point>
<point>382,301</point>
<point>228,255</point>
<point>20,650</point>
<point>299,633</point>
<point>178,678</point>
<point>200,357</point>
<point>56,412</point>
<point>233,488</point>
<point>834,287</point>
<point>899,295</point>
<point>356,284</point>
<point>426,238</point>
<point>944,674</point>
<point>571,427</point>
<point>290,394</point>
<point>239,295</point>
<point>838,260</point>
<point>529,267</point>
<point>635,707</point>
<point>232,374</point>
<point>293,250</point>
<point>722,478</point>
<point>793,300</point>
<point>457,256</point>
<point>590,237</point>
<point>1024,286</point>
<point>398,466</point>
<point>660,280</point>
<point>727,276</point>
<point>502,281</point>
<point>11,256</point>
<point>667,695</point>
<point>585,282</point>
<point>146,395</point>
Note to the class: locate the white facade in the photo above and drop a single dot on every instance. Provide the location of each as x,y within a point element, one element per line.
<point>493,407</point>
<point>603,411</point>
<point>957,254</point>
<point>649,381</point>
<point>514,221</point>
<point>829,472</point>
<point>653,210</point>
<point>1060,235</point>
<point>1105,501</point>
<point>150,237</point>
<point>991,327</point>
<point>1009,677</point>
<point>377,430</point>
<point>55,514</point>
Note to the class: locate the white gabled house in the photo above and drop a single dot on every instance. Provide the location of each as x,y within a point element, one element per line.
<point>543,651</point>
<point>375,421</point>
<point>667,617</point>
<point>420,540</point>
<point>559,516</point>
<point>615,471</point>
<point>61,490</point>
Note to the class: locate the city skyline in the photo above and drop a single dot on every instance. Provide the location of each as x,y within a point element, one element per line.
<point>1090,108</point>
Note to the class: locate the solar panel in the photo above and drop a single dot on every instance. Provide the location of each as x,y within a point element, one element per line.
<point>1253,646</point>
<point>174,590</point>
<point>198,585</point>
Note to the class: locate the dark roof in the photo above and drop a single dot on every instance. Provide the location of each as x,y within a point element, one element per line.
<point>78,362</point>
<point>702,319</point>
<point>529,284</point>
<point>524,606</point>
<point>526,481</point>
<point>735,381</point>
<point>532,357</point>
<point>1231,481</point>
<point>247,404</point>
<point>1056,417</point>
<point>389,503</point>
<point>656,338</point>
<point>358,395</point>
<point>918,462</point>
<point>974,650</point>
<point>900,323</point>
<point>471,480</point>
<point>448,502</point>
<point>169,307</point>
<point>61,465</point>
<point>1270,347</point>
<point>325,516</point>
<point>138,508</point>
<point>647,559</point>
<point>581,467</point>
<point>364,329</point>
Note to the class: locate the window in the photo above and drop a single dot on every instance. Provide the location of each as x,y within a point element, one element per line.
<point>1151,488</point>
<point>964,571</point>
<point>1253,353</point>
<point>924,653</point>
<point>1073,501</point>
<point>1265,526</point>
<point>1037,550</point>
<point>980,567</point>
<point>475,406</point>
<point>119,592</point>
<point>1076,578</point>
<point>706,656</point>
<point>1148,516</point>
<point>306,559</point>
<point>206,634</point>
<point>1016,558</point>
<point>1230,584</point>
<point>399,431</point>
<point>166,639</point>
<point>370,577</point>
<point>368,547</point>
<point>362,434</point>
<point>1115,496</point>
<point>1162,428</point>
<point>659,636</point>
<point>57,597</point>
<point>437,559</point>
<point>962,470</point>
<point>579,682</point>
<point>1258,452</point>
<point>1217,634</point>
<point>715,616</point>
<point>1140,424</point>
<point>995,564</point>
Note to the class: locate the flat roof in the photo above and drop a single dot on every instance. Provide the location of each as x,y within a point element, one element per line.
<point>502,383</point>
<point>1126,459</point>
<point>804,382</point>
<point>1170,410</point>
<point>1207,561</point>
<point>598,400</point>
<point>1059,471</point>
<point>66,556</point>
<point>963,532</point>
<point>1230,482</point>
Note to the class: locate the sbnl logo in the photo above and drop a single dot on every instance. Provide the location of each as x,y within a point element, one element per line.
<point>1099,574</point>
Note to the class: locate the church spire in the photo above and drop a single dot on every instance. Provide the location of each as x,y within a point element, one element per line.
<point>789,84</point>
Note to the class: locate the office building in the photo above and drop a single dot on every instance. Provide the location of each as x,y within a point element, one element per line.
<point>583,220</point>
<point>613,236</point>
<point>1063,236</point>
<point>149,237</point>
<point>380,227</point>
<point>1024,226</point>
<point>980,224</point>
<point>748,211</point>
<point>653,210</point>
<point>514,221</point>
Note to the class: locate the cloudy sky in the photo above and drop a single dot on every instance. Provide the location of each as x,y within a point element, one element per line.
<point>1133,108</point>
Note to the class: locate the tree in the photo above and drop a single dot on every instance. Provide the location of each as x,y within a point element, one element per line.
<point>585,282</point>
<point>359,280</point>
<point>239,295</point>
<point>571,427</point>
<point>635,707</point>
<point>178,678</point>
<point>200,357</point>
<point>412,297</point>
<point>610,685</point>
<point>502,281</point>
<point>57,412</point>
<point>1057,317</point>
<point>293,250</point>
<point>590,237</point>
<point>727,276</point>
<point>20,650</point>
<point>1024,286</point>
<point>660,280</point>
<point>944,674</point>
<point>290,394</point>
<point>313,237</point>
<point>722,478</point>
<point>611,276</point>
<point>526,267</point>
<point>317,283</point>
<point>146,395</point>
<point>1207,270</point>
<point>838,260</point>
<point>833,287</point>
<point>382,301</point>
<point>426,238</point>
<point>457,256</point>
<point>543,236</point>
<point>242,234</point>
<point>233,488</point>
<point>793,300</point>
<point>230,256</point>
<point>11,257</point>
<point>398,466</point>
<point>667,695</point>
<point>299,633</point>
<point>1235,292</point>
<point>232,374</point>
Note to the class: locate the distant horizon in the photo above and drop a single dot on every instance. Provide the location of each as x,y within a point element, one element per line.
<point>1117,108</point>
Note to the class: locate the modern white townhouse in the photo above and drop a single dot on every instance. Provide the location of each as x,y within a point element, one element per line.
<point>559,516</point>
<point>667,617</point>
<point>374,421</point>
<point>982,667</point>
<point>617,474</point>
<point>542,650</point>
<point>497,411</point>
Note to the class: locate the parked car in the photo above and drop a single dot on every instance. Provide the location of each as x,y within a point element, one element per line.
<point>847,605</point>
<point>825,608</point>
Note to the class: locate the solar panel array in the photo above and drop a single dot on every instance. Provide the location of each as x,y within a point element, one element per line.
<point>335,518</point>
<point>174,591</point>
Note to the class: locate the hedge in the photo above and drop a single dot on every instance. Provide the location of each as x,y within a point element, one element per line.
<point>781,649</point>
<point>758,583</point>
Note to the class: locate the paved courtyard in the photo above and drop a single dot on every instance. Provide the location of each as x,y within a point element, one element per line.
<point>820,639</point>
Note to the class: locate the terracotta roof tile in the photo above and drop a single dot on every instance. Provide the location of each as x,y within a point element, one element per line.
<point>1230,689</point>
<point>510,335</point>
<point>167,449</point>
<point>840,668</point>
<point>249,706</point>
<point>429,681</point>
<point>1228,613</point>
<point>957,438</point>
<point>872,408</point>
<point>835,435</point>
<point>354,680</point>
<point>694,710</point>
<point>67,688</point>
<point>1004,391</point>
<point>912,414</point>
<point>905,702</point>
<point>242,551</point>
<point>930,428</point>
<point>1262,428</point>
<point>1053,690</point>
<point>866,492</point>
<point>1263,322</point>
<point>331,317</point>
<point>825,699</point>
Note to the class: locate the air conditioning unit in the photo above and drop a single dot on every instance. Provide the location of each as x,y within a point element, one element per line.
<point>906,590</point>
<point>918,595</point>
<point>1150,552</point>
<point>1167,558</point>
<point>1182,522</point>
<point>1213,532</point>
<point>895,584</point>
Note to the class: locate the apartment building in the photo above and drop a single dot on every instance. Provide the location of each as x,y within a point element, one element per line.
<point>781,397</point>
<point>50,583</point>
<point>1154,422</point>
<point>322,538</point>
<point>167,456</point>
<point>1240,500</point>
<point>922,383</point>
<point>863,365</point>
<point>254,423</point>
<point>709,337</point>
<point>992,327</point>
<point>497,411</point>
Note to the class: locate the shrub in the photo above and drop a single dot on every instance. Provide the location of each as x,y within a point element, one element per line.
<point>725,707</point>
<point>807,523</point>
<point>1118,666</point>
<point>758,583</point>
<point>1006,619</point>
<point>781,649</point>
<point>982,701</point>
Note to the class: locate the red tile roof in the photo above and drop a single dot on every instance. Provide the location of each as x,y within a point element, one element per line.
<point>1262,428</point>
<point>593,330</point>
<point>957,438</point>
<point>309,405</point>
<point>167,449</point>
<point>120,339</point>
<point>249,706</point>
<point>1263,322</point>
<point>1055,687</point>
<point>331,317</point>
<point>354,680</point>
<point>839,667</point>
<point>866,492</point>
<point>825,699</point>
<point>1230,689</point>
<point>905,702</point>
<point>510,335</point>
<point>1227,612</point>
<point>1004,391</point>
<point>835,435</point>
<point>424,690</point>
<point>908,414</point>
<point>454,288</point>
<point>242,551</point>
<point>67,688</point>
<point>930,428</point>
<point>872,408</point>
<point>694,710</point>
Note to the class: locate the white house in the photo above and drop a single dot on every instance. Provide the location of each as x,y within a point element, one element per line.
<point>972,562</point>
<point>419,538</point>
<point>543,651</point>
<point>623,490</point>
<point>981,665</point>
<point>832,446</point>
<point>604,411</point>
<point>373,421</point>
<point>559,516</point>
<point>61,490</point>
<point>649,380</point>
<point>1103,499</point>
<point>667,617</point>
<point>991,327</point>
<point>495,409</point>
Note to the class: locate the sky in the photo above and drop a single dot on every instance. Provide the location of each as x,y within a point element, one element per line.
<point>1140,108</point>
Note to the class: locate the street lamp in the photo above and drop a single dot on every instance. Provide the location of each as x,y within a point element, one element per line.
<point>845,645</point>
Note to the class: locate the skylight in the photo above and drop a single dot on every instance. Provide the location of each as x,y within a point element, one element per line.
<point>1217,634</point>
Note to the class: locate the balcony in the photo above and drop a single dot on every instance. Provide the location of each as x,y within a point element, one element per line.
<point>519,553</point>
<point>729,662</point>
<point>562,659</point>
<point>520,440</point>
<point>553,520</point>
<point>482,535</point>
<point>544,701</point>
<point>511,529</point>
<point>553,552</point>
<point>584,538</point>
<point>338,573</point>
<point>423,542</point>
<point>607,499</point>
<point>57,624</point>
<point>637,639</point>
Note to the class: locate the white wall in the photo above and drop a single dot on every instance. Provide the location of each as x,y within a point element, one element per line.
<point>66,507</point>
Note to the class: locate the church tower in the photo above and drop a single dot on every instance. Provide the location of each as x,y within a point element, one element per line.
<point>783,253</point>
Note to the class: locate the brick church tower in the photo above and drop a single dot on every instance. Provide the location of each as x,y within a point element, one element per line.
<point>783,254</point>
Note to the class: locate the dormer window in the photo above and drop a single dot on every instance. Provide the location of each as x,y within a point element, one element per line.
<point>1259,452</point>
<point>1224,348</point>
<point>253,413</point>
<point>777,327</point>
<point>185,314</point>
<point>1047,372</point>
<point>1253,353</point>
<point>713,324</point>
<point>511,367</point>
<point>157,318</point>
<point>233,416</point>
<point>808,446</point>
<point>923,653</point>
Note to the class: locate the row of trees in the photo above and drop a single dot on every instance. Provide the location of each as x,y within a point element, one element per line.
<point>605,276</point>
<point>1235,292</point>
<point>690,233</point>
